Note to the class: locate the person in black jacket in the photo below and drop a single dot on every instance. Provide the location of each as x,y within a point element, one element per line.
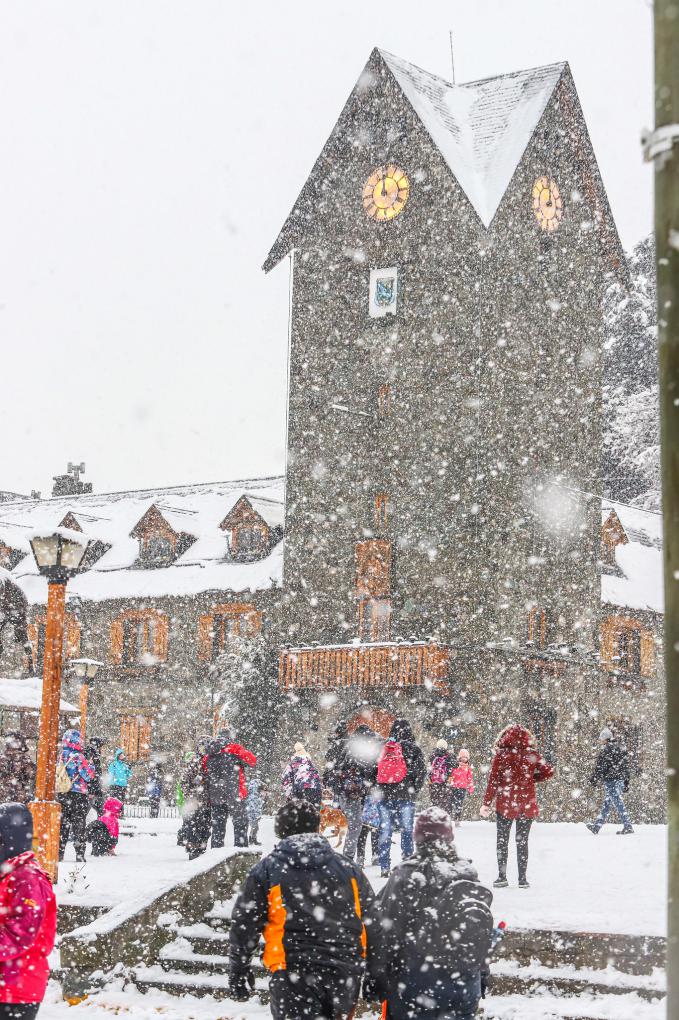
<point>93,754</point>
<point>612,768</point>
<point>397,803</point>
<point>227,789</point>
<point>309,903</point>
<point>435,927</point>
<point>332,772</point>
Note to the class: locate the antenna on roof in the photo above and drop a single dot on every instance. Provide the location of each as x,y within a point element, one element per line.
<point>452,57</point>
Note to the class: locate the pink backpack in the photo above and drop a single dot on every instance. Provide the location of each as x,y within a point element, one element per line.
<point>438,770</point>
<point>391,767</point>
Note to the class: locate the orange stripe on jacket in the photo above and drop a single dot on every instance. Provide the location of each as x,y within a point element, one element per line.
<point>357,904</point>
<point>274,953</point>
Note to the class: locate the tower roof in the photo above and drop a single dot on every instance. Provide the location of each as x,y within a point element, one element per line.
<point>481,128</point>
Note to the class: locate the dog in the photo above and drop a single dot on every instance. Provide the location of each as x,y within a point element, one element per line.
<point>333,823</point>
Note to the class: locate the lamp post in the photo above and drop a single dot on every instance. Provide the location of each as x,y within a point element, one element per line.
<point>85,670</point>
<point>58,556</point>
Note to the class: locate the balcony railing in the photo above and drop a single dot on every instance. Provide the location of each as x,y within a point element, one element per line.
<point>370,665</point>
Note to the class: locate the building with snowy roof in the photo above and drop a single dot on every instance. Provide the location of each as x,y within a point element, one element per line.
<point>171,574</point>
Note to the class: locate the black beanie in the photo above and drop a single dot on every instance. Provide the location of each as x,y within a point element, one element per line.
<point>296,817</point>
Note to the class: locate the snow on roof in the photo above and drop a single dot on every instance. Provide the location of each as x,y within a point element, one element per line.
<point>639,582</point>
<point>15,537</point>
<point>481,128</point>
<point>110,517</point>
<point>26,693</point>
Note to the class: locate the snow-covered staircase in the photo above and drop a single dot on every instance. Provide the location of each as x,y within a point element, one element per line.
<point>624,980</point>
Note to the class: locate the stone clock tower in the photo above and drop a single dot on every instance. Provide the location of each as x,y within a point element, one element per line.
<point>450,249</point>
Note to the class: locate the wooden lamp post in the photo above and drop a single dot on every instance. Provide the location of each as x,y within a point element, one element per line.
<point>58,556</point>
<point>85,670</point>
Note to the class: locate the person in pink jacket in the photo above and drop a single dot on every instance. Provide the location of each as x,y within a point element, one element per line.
<point>103,834</point>
<point>462,781</point>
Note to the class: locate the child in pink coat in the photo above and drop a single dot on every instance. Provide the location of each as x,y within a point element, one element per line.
<point>462,781</point>
<point>104,833</point>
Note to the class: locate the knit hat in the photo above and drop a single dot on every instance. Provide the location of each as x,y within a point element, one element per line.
<point>605,734</point>
<point>442,744</point>
<point>463,753</point>
<point>432,825</point>
<point>295,818</point>
<point>300,749</point>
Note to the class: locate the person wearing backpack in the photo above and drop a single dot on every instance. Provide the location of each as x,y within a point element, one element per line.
<point>441,764</point>
<point>356,778</point>
<point>461,783</point>
<point>401,772</point>
<point>74,775</point>
<point>301,780</point>
<point>435,930</point>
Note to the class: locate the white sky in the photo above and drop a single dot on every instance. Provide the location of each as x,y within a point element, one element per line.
<point>149,153</point>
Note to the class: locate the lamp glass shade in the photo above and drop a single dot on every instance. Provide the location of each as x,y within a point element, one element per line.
<point>72,553</point>
<point>46,550</point>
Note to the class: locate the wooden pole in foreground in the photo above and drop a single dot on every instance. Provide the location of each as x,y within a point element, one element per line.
<point>664,150</point>
<point>45,809</point>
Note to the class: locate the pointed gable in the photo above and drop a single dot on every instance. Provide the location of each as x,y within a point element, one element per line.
<point>242,512</point>
<point>482,130</point>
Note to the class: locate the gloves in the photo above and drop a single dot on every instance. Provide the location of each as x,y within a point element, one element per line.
<point>241,985</point>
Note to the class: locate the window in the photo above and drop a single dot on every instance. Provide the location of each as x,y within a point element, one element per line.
<point>541,722</point>
<point>381,510</point>
<point>224,622</point>
<point>373,568</point>
<point>36,636</point>
<point>627,647</point>
<point>248,541</point>
<point>158,550</point>
<point>136,736</point>
<point>374,619</point>
<point>384,401</point>
<point>538,627</point>
<point>139,637</point>
<point>612,535</point>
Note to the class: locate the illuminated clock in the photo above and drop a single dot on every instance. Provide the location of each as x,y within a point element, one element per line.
<point>386,192</point>
<point>547,203</point>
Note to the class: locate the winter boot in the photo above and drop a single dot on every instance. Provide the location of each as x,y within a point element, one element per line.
<point>500,882</point>
<point>523,882</point>
<point>626,831</point>
<point>384,873</point>
<point>593,827</point>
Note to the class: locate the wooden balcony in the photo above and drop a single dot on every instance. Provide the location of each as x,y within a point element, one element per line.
<point>391,664</point>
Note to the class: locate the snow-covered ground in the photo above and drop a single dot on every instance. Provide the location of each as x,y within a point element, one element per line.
<point>579,882</point>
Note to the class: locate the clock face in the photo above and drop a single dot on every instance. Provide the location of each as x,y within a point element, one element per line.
<point>547,203</point>
<point>385,192</point>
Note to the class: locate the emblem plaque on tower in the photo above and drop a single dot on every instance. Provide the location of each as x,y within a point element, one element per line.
<point>383,292</point>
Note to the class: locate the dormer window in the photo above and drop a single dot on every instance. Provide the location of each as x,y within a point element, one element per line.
<point>612,535</point>
<point>250,532</point>
<point>162,542</point>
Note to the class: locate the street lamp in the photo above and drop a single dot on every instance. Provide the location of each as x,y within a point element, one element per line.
<point>58,555</point>
<point>85,670</point>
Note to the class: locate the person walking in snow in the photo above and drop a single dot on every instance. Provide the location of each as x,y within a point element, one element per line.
<point>154,790</point>
<point>28,917</point>
<point>435,930</point>
<point>93,754</point>
<point>441,764</point>
<point>17,770</point>
<point>194,831</point>
<point>301,780</point>
<point>254,807</point>
<point>310,904</point>
<point>104,832</point>
<point>370,825</point>
<point>401,772</point>
<point>356,775</point>
<point>224,766</point>
<point>516,767</point>
<point>612,770</point>
<point>74,775</point>
<point>461,783</point>
<point>118,776</point>
<point>332,772</point>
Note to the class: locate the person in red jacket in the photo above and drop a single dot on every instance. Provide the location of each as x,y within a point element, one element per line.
<point>517,766</point>
<point>28,917</point>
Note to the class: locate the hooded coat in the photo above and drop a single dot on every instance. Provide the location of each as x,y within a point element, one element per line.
<point>612,765</point>
<point>28,911</point>
<point>517,766</point>
<point>110,816</point>
<point>435,933</point>
<point>119,771</point>
<point>17,771</point>
<point>223,767</point>
<point>301,779</point>
<point>79,770</point>
<point>309,902</point>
